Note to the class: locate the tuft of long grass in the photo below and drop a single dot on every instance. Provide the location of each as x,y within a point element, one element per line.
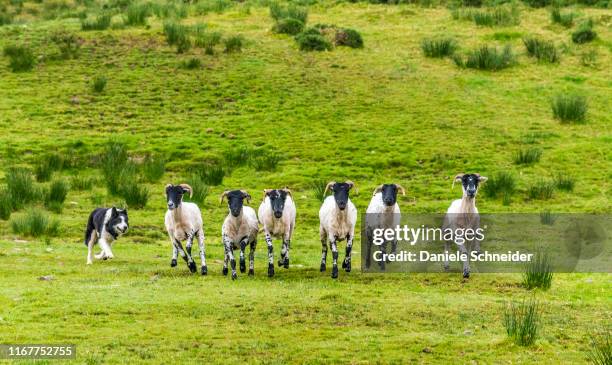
<point>318,189</point>
<point>233,43</point>
<point>211,174</point>
<point>288,26</point>
<point>541,49</point>
<point>542,190</point>
<point>137,14</point>
<point>20,186</point>
<point>522,322</point>
<point>264,160</point>
<point>497,16</point>
<point>564,19</point>
<point>101,22</point>
<point>438,47</point>
<point>538,272</point>
<point>34,223</point>
<point>565,182</point>
<point>207,40</point>
<point>153,168</point>
<point>278,12</point>
<point>236,157</point>
<point>527,156</point>
<point>68,43</point>
<point>502,183</point>
<point>177,35</point>
<point>311,41</point>
<point>56,195</point>
<point>487,58</point>
<point>191,63</point>
<point>547,218</point>
<point>200,189</point>
<point>98,84</point>
<point>584,33</point>
<point>601,350</point>
<point>569,108</point>
<point>21,58</point>
<point>348,37</point>
<point>82,183</point>
<point>134,194</point>
<point>6,205</point>
<point>204,7</point>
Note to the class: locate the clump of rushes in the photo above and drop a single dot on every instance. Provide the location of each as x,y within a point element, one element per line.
<point>348,37</point>
<point>177,35</point>
<point>542,190</point>
<point>137,14</point>
<point>487,58</point>
<point>438,47</point>
<point>318,189</point>
<point>212,174</point>
<point>153,168</point>
<point>208,41</point>
<point>564,19</point>
<point>101,22</point>
<point>522,322</point>
<point>98,83</point>
<point>278,12</point>
<point>527,156</point>
<point>56,195</point>
<point>233,43</point>
<point>541,49</point>
<point>538,271</point>
<point>35,223</point>
<point>6,205</point>
<point>21,58</point>
<point>20,186</point>
<point>564,182</point>
<point>265,161</point>
<point>81,183</point>
<point>236,157</point>
<point>501,184</point>
<point>200,189</point>
<point>569,108</point>
<point>601,350</point>
<point>498,16</point>
<point>192,63</point>
<point>68,43</point>
<point>584,33</point>
<point>288,26</point>
<point>134,194</point>
<point>547,218</point>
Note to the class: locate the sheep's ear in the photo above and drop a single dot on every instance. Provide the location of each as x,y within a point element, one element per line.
<point>482,178</point>
<point>246,195</point>
<point>286,190</point>
<point>352,185</point>
<point>401,188</point>
<point>223,195</point>
<point>166,188</point>
<point>330,186</point>
<point>457,178</point>
<point>187,188</point>
<point>266,192</point>
<point>377,190</point>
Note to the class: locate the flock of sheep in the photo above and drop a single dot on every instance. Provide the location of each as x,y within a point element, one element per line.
<point>277,213</point>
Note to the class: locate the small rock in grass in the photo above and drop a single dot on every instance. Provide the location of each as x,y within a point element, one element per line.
<point>49,249</point>
<point>209,130</point>
<point>468,332</point>
<point>589,280</point>
<point>46,278</point>
<point>427,350</point>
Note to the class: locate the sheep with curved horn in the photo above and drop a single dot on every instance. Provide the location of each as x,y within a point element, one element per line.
<point>277,216</point>
<point>184,222</point>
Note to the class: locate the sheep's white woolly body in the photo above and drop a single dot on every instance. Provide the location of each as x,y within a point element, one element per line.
<point>183,221</point>
<point>335,223</point>
<point>279,228</point>
<point>382,215</point>
<point>245,226</point>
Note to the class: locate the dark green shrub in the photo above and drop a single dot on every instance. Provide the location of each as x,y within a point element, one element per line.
<point>584,33</point>
<point>233,43</point>
<point>288,26</point>
<point>211,174</point>
<point>601,350</point>
<point>192,63</point>
<point>538,272</point>
<point>21,58</point>
<point>98,83</point>
<point>502,184</point>
<point>527,156</point>
<point>68,43</point>
<point>208,41</point>
<point>20,186</point>
<point>565,182</point>
<point>488,58</point>
<point>542,190</point>
<point>348,37</point>
<point>137,14</point>
<point>6,205</point>
<point>200,189</point>
<point>569,108</point>
<point>565,19</point>
<point>56,195</point>
<point>522,322</point>
<point>308,41</point>
<point>35,223</point>
<point>438,47</point>
<point>101,22</point>
<point>541,49</point>
<point>153,168</point>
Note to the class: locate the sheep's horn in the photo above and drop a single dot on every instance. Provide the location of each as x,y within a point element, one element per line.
<point>223,195</point>
<point>352,185</point>
<point>266,191</point>
<point>286,190</point>
<point>329,185</point>
<point>458,177</point>
<point>482,178</point>
<point>166,188</point>
<point>401,188</point>
<point>188,188</point>
<point>246,195</point>
<point>378,189</point>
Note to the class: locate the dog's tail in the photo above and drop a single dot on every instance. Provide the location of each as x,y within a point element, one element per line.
<point>90,228</point>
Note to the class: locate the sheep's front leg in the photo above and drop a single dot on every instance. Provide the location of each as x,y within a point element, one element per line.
<point>346,264</point>
<point>323,250</point>
<point>446,252</point>
<point>202,251</point>
<point>229,252</point>
<point>466,262</point>
<point>270,252</point>
<point>243,245</point>
<point>383,250</point>
<point>225,258</point>
<point>252,258</point>
<point>284,260</point>
<point>173,262</point>
<point>334,249</point>
<point>190,263</point>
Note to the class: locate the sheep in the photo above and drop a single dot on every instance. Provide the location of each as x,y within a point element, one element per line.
<point>184,222</point>
<point>239,229</point>
<point>383,212</point>
<point>277,216</point>
<point>337,217</point>
<point>463,214</point>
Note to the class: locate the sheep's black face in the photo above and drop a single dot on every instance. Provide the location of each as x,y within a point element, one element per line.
<point>119,220</point>
<point>341,194</point>
<point>235,201</point>
<point>389,194</point>
<point>174,196</point>
<point>277,200</point>
<point>470,184</point>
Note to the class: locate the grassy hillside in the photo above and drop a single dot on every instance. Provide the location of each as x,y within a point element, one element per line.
<point>381,113</point>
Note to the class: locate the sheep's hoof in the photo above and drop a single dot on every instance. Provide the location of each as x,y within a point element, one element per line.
<point>173,263</point>
<point>286,263</point>
<point>335,272</point>
<point>204,270</point>
<point>280,262</point>
<point>251,272</point>
<point>270,270</point>
<point>322,269</point>
<point>192,266</point>
<point>105,258</point>
<point>466,274</point>
<point>225,271</point>
<point>446,268</point>
<point>382,266</point>
<point>234,275</point>
<point>242,266</point>
<point>346,265</point>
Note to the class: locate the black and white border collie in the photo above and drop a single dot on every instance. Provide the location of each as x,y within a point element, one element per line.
<point>104,226</point>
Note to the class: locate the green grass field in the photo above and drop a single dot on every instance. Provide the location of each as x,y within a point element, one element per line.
<point>382,113</point>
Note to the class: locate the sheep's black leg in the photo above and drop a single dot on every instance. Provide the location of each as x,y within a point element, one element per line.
<point>346,264</point>
<point>284,260</point>
<point>270,253</point>
<point>466,262</point>
<point>173,263</point>
<point>334,249</point>
<point>243,245</point>
<point>204,269</point>
<point>323,254</point>
<point>446,252</point>
<point>226,246</point>
<point>369,243</point>
<point>190,263</point>
<point>383,249</point>
<point>230,255</point>
<point>252,258</point>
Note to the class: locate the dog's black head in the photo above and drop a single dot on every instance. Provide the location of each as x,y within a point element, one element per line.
<point>118,221</point>
<point>469,183</point>
<point>235,200</point>
<point>174,194</point>
<point>341,192</point>
<point>277,200</point>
